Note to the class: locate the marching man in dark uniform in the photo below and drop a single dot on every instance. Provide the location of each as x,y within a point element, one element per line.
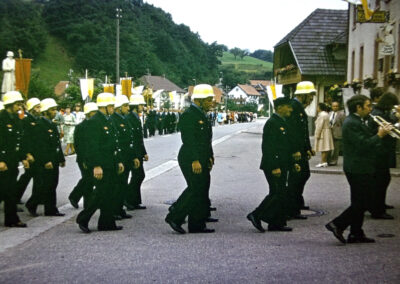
<point>134,196</point>
<point>300,138</point>
<point>196,159</point>
<point>84,186</point>
<point>29,124</point>
<point>48,158</point>
<point>125,139</point>
<point>10,156</point>
<point>278,164</point>
<point>104,163</point>
<point>359,145</point>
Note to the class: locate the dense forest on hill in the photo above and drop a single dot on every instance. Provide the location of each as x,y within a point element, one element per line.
<point>149,40</point>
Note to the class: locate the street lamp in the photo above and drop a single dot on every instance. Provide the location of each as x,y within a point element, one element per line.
<point>118,16</point>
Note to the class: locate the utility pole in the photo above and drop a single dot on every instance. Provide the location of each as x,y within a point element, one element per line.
<point>119,16</point>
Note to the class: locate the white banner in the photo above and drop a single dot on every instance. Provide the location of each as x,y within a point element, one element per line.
<point>87,86</point>
<point>274,92</point>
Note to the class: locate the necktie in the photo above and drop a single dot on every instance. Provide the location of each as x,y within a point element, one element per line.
<point>332,118</point>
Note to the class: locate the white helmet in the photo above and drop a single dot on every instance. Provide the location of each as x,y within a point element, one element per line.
<point>47,104</point>
<point>1,106</point>
<point>31,103</point>
<point>12,97</point>
<point>136,100</point>
<point>89,107</point>
<point>121,100</point>
<point>202,91</point>
<point>105,99</point>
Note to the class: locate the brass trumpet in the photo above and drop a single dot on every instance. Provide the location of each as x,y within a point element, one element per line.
<point>395,133</point>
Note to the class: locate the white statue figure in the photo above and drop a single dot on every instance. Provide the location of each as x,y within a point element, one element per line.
<point>9,73</point>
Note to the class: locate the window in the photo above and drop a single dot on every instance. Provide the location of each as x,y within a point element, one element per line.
<point>354,7</point>
<point>361,70</point>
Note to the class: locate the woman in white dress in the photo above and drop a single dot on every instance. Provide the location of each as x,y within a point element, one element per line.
<point>323,135</point>
<point>69,128</point>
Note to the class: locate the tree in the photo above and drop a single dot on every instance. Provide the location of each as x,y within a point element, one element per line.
<point>262,54</point>
<point>236,51</point>
<point>243,53</point>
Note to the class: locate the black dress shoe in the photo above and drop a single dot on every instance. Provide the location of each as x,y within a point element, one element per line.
<point>73,203</point>
<point>211,220</point>
<point>32,211</point>
<point>174,226</point>
<point>17,225</point>
<point>384,216</point>
<point>299,217</point>
<point>256,222</point>
<point>273,228</point>
<point>213,209</point>
<point>84,228</point>
<point>139,206</point>
<point>116,228</point>
<point>126,216</point>
<point>338,233</point>
<point>389,206</point>
<point>205,230</point>
<point>305,207</point>
<point>20,209</point>
<point>353,239</point>
<point>57,214</point>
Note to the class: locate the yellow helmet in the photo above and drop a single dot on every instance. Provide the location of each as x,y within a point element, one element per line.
<point>135,100</point>
<point>1,106</point>
<point>305,87</point>
<point>47,104</point>
<point>202,91</point>
<point>105,99</point>
<point>89,107</point>
<point>121,100</point>
<point>12,97</point>
<point>31,103</point>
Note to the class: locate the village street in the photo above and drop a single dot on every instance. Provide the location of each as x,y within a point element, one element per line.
<point>54,250</point>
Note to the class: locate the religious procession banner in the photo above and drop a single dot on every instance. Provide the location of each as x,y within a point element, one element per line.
<point>108,88</point>
<point>172,95</point>
<point>274,91</point>
<point>87,88</point>
<point>22,75</point>
<point>126,86</point>
<point>137,90</point>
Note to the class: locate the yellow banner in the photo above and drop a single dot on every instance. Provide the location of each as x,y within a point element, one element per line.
<point>90,87</point>
<point>273,92</point>
<point>22,75</point>
<point>367,11</point>
<point>108,88</point>
<point>126,86</point>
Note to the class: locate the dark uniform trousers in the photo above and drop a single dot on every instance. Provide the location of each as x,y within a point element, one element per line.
<point>297,183</point>
<point>84,187</point>
<point>361,189</point>
<point>100,199</point>
<point>8,180</point>
<point>23,182</point>
<point>133,195</point>
<point>194,201</point>
<point>273,209</point>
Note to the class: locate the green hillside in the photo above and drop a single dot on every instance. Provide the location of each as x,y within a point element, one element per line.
<point>54,64</point>
<point>247,64</point>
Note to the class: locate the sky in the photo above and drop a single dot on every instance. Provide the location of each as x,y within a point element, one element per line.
<point>251,24</point>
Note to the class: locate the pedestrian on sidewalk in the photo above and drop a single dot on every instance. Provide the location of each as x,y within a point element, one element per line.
<point>336,119</point>
<point>277,164</point>
<point>359,145</point>
<point>323,135</point>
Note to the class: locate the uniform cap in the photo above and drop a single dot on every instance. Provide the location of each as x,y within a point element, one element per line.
<point>31,103</point>
<point>305,87</point>
<point>281,101</point>
<point>12,97</point>
<point>136,100</point>
<point>121,100</point>
<point>202,91</point>
<point>105,99</point>
<point>47,104</point>
<point>89,107</point>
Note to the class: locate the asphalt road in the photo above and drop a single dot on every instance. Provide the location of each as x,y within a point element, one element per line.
<point>148,251</point>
